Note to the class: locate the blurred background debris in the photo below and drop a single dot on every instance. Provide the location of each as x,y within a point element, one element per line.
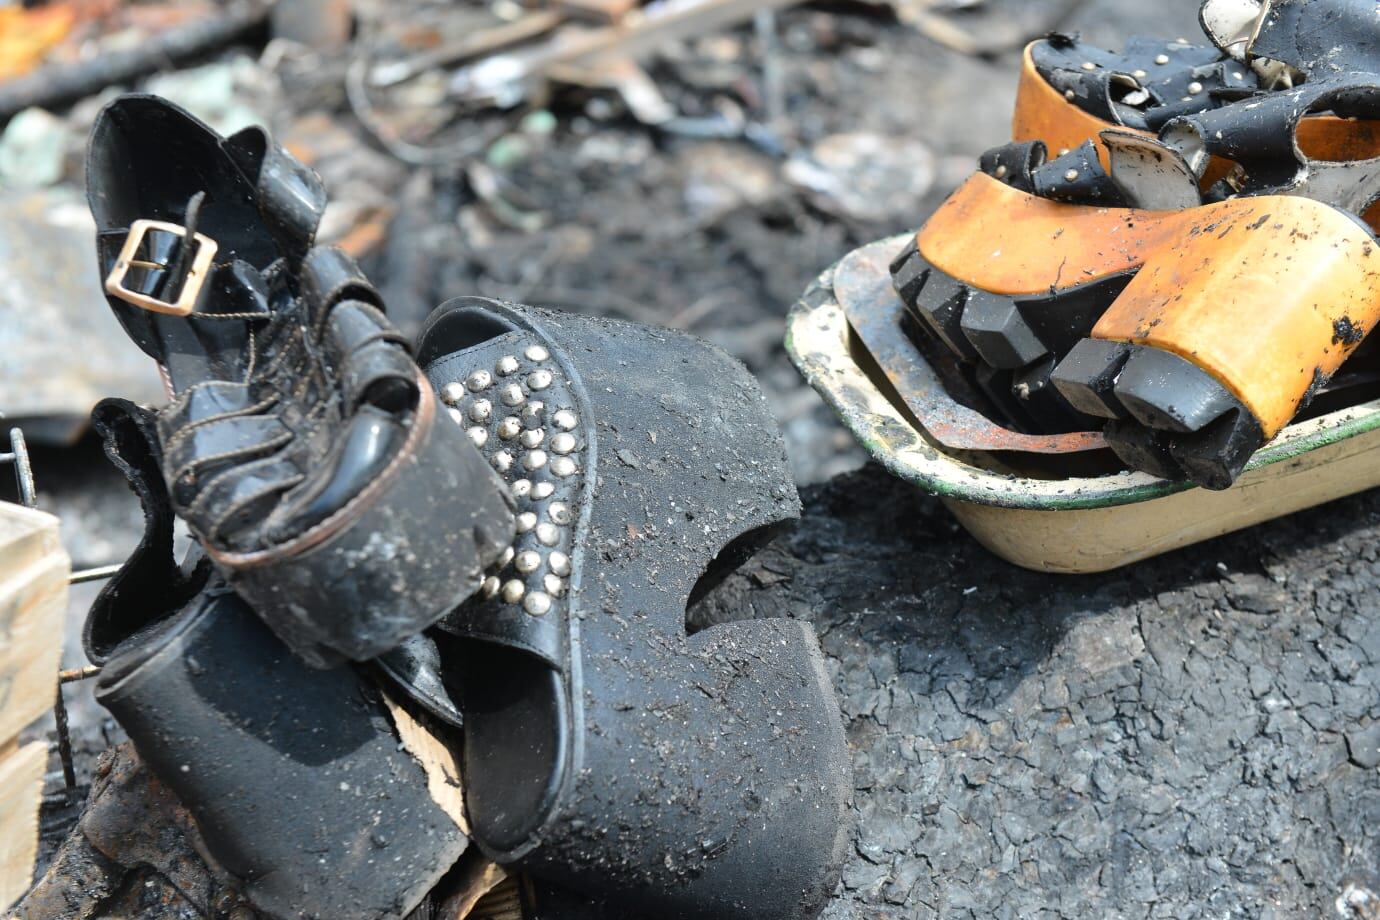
<point>56,346</point>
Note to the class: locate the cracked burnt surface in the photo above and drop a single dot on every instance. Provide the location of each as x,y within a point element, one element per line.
<point>1197,736</point>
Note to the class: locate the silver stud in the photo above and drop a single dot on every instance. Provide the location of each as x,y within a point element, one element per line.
<point>553,585</point>
<point>507,365</point>
<point>522,488</point>
<point>534,459</point>
<point>511,395</point>
<point>1162,59</point>
<point>513,591</point>
<point>559,562</point>
<point>507,556</point>
<point>503,461</point>
<point>457,415</point>
<point>526,521</point>
<point>548,534</point>
<point>1195,88</point>
<point>481,410</point>
<point>509,428</point>
<point>566,420</point>
<point>1069,94</point>
<point>1140,75</point>
<point>537,603</point>
<point>532,437</point>
<point>1063,150</point>
<point>527,561</point>
<point>539,380</point>
<point>559,512</point>
<point>452,393</point>
<point>1001,171</point>
<point>542,490</point>
<point>563,467</point>
<point>478,436</point>
<point>1070,175</point>
<point>1089,65</point>
<point>563,443</point>
<point>479,380</point>
<point>533,411</point>
<point>490,586</point>
<point>536,353</point>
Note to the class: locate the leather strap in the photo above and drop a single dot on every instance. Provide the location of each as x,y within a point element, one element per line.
<point>290,196</point>
<point>150,160</point>
<point>1321,38</point>
<point>1076,176</point>
<point>1145,85</point>
<point>1262,138</point>
<point>329,276</point>
<point>150,586</point>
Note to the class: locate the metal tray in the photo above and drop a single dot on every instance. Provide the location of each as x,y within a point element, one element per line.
<point>1038,519</point>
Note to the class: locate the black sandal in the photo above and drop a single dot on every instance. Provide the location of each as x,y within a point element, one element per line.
<point>295,776</point>
<point>302,444</point>
<point>606,750</point>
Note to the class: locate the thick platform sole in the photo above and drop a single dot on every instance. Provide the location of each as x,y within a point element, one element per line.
<point>1012,343</point>
<point>295,776</point>
<point>678,775</point>
<point>1248,306</point>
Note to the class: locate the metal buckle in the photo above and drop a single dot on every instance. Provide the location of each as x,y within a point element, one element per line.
<point>191,285</point>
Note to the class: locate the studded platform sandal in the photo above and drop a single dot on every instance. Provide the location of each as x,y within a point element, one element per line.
<point>302,445</point>
<point>1164,286</point>
<point>606,750</point>
<point>295,776</point>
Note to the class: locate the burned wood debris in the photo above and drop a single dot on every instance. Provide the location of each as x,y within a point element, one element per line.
<point>392,596</point>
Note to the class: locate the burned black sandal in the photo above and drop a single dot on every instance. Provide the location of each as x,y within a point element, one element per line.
<point>295,776</point>
<point>302,445</point>
<point>606,750</point>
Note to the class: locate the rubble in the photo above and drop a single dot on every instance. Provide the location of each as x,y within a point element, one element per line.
<point>132,41</point>
<point>134,852</point>
<point>58,362</point>
<point>865,177</point>
<point>33,149</point>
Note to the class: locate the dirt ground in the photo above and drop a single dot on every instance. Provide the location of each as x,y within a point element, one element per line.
<point>1194,736</point>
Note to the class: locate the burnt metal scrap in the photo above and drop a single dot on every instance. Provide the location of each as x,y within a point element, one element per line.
<point>591,44</point>
<point>875,313</point>
<point>1162,218</point>
<point>599,45</point>
<point>183,35</point>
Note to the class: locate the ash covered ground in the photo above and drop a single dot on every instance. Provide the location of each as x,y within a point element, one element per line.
<point>1194,736</point>
<point>1191,737</point>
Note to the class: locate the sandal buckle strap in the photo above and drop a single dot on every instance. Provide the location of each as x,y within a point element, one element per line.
<point>190,292</point>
